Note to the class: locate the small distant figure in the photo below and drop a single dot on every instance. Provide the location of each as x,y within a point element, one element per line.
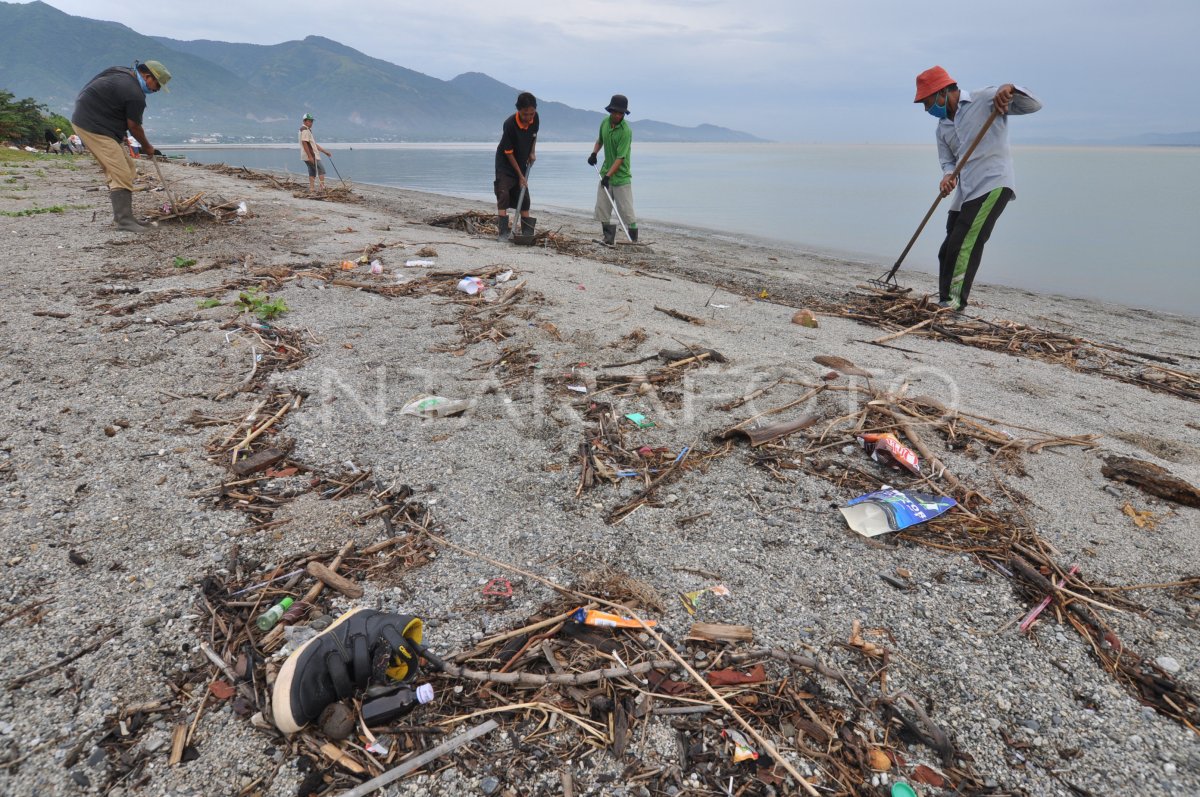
<point>54,140</point>
<point>518,145</point>
<point>309,153</point>
<point>75,143</point>
<point>986,183</point>
<point>111,103</point>
<point>616,182</point>
<point>135,149</point>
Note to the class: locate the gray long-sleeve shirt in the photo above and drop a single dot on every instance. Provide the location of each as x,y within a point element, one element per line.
<point>991,164</point>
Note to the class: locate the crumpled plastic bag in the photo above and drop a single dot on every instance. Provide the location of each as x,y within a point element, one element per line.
<point>425,406</point>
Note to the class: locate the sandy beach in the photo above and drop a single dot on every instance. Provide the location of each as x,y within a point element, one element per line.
<point>132,380</point>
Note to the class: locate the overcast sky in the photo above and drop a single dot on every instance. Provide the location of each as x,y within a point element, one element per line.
<point>794,70</point>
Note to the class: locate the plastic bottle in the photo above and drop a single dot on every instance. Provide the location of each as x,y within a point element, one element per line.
<point>267,620</point>
<point>389,708</point>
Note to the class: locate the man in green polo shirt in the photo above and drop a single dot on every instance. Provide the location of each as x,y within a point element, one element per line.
<point>616,137</point>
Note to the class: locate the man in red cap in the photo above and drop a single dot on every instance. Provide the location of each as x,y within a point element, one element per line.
<point>986,182</point>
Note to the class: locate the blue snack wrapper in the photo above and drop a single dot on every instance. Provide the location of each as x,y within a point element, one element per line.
<point>892,510</point>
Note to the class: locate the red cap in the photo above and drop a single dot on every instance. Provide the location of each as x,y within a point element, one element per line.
<point>931,81</point>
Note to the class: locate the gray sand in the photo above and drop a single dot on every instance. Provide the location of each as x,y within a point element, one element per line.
<point>502,479</point>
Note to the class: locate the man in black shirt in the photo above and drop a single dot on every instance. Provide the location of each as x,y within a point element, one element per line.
<point>111,103</point>
<point>514,155</point>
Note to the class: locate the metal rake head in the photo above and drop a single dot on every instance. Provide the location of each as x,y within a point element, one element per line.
<point>886,283</point>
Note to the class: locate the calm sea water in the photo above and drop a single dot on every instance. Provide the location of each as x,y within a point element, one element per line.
<point>1118,224</point>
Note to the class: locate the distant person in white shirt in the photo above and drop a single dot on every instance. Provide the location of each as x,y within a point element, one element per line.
<point>986,183</point>
<point>308,152</point>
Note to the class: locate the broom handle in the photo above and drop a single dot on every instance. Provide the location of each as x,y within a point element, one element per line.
<point>954,174</point>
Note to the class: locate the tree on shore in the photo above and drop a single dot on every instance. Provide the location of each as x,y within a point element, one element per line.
<point>23,121</point>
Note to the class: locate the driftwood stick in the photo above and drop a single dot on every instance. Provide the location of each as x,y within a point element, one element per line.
<point>704,355</point>
<point>46,669</point>
<point>924,728</point>
<point>632,362</point>
<point>904,332</point>
<point>487,643</point>
<point>26,609</point>
<point>334,581</point>
<point>216,659</point>
<point>623,511</point>
<point>810,394</point>
<point>256,433</point>
<point>245,383</point>
<point>681,316</point>
<point>548,654</point>
<point>564,679</point>
<point>421,760</point>
<point>937,468</point>
<point>733,405</point>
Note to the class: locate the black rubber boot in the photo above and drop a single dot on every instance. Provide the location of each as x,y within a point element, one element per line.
<point>633,234</point>
<point>122,204</point>
<point>505,232</point>
<point>362,646</point>
<point>528,225</point>
<point>610,233</point>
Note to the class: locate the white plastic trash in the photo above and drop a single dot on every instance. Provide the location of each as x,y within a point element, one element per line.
<point>376,267</point>
<point>470,285</point>
<point>416,263</point>
<point>242,210</point>
<point>425,406</point>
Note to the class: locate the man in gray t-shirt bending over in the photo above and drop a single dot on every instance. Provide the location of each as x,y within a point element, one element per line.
<point>111,103</point>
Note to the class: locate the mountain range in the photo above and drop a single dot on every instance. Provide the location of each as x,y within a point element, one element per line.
<point>232,92</point>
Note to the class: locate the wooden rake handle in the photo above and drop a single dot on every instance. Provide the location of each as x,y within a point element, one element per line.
<point>167,188</point>
<point>970,151</point>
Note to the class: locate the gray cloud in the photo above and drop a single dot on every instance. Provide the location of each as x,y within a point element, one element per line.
<point>801,70</point>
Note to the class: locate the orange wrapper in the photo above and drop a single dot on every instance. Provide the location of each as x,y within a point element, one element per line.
<point>593,617</point>
<point>887,449</point>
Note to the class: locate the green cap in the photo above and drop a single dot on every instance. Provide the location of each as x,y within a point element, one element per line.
<point>160,73</point>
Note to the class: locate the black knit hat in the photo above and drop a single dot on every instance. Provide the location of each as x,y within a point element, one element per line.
<point>618,104</point>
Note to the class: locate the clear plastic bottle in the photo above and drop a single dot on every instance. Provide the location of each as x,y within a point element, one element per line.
<point>392,707</point>
<point>267,620</point>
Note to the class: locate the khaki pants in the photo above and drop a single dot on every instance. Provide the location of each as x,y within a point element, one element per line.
<point>623,194</point>
<point>113,158</point>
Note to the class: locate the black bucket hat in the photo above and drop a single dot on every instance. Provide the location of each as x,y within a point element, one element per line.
<point>618,104</point>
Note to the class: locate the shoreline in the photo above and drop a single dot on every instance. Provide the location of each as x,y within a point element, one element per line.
<point>122,394</point>
<point>1012,259</point>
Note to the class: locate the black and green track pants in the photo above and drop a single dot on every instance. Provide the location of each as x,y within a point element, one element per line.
<point>967,231</point>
